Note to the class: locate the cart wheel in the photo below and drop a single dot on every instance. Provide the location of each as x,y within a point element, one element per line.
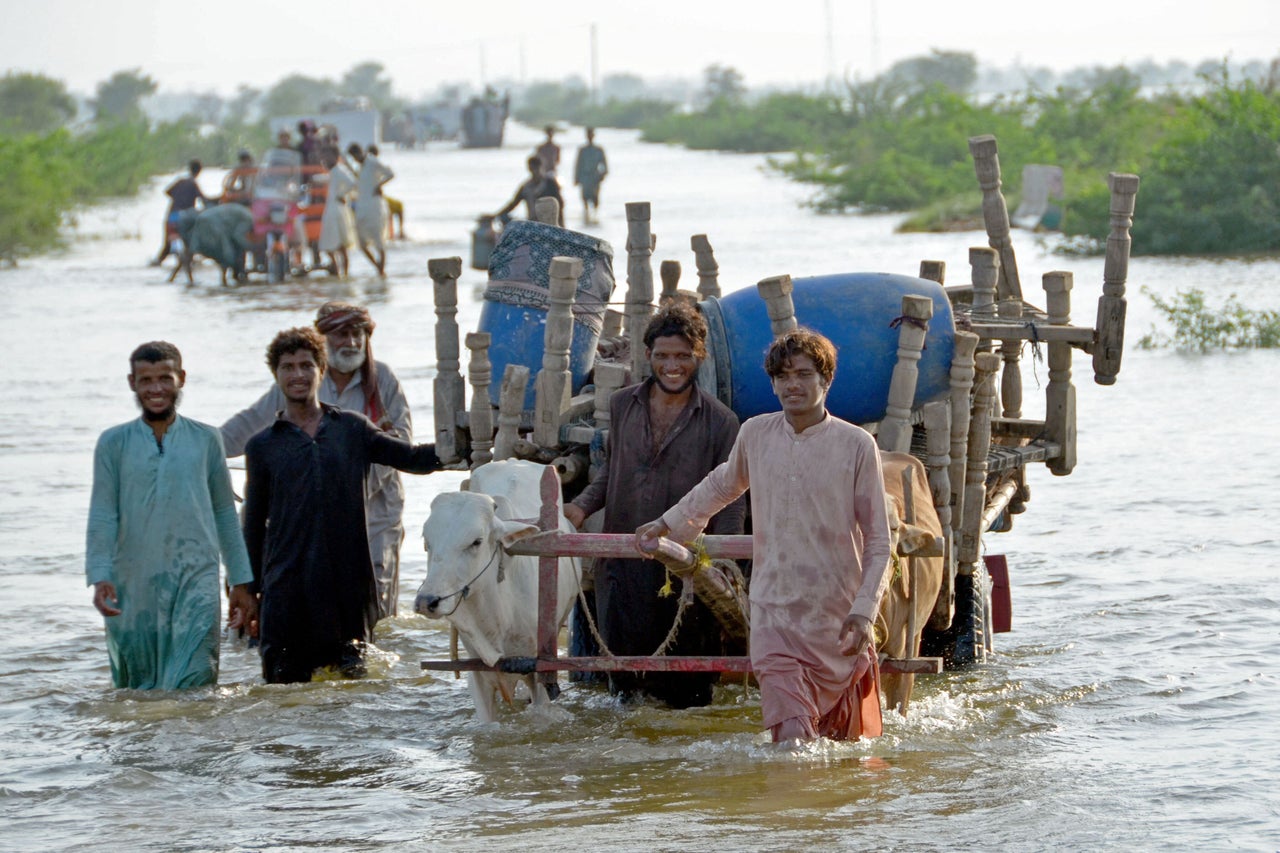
<point>968,639</point>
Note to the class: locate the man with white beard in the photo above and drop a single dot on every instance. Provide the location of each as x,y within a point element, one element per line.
<point>357,382</point>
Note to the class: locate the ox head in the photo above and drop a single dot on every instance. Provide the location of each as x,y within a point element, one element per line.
<point>464,537</point>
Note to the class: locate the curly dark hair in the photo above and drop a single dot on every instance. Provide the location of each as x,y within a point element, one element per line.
<point>682,320</point>
<point>291,340</point>
<point>801,342</point>
<point>154,352</point>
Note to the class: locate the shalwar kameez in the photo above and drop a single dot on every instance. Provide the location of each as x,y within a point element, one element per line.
<point>821,552</point>
<point>160,514</point>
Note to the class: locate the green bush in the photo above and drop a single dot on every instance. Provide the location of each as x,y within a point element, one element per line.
<point>1200,327</point>
<point>46,176</point>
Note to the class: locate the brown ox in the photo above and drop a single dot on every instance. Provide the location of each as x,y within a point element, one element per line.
<point>916,571</point>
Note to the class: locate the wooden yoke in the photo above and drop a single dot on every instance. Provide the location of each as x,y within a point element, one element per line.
<point>510,405</point>
<point>480,374</point>
<point>1109,345</point>
<point>547,211</point>
<point>708,269</point>
<point>1060,395</point>
<point>553,385</point>
<point>995,214</point>
<point>776,292</point>
<point>448,389</point>
<point>895,429</point>
<point>639,306</point>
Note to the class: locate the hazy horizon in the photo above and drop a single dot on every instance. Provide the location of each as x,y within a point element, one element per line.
<point>425,45</point>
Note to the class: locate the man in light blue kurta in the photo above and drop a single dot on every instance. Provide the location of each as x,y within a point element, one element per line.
<point>161,512</point>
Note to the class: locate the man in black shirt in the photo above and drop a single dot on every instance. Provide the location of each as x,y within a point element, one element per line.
<point>304,518</point>
<point>183,195</point>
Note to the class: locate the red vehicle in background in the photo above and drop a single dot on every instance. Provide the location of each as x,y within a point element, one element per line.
<point>275,208</point>
<point>287,205</point>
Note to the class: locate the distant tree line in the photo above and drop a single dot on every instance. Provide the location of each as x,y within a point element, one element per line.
<point>1208,155</point>
<point>1203,138</point>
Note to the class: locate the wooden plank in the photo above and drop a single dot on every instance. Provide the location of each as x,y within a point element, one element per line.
<point>1018,427</point>
<point>1080,335</point>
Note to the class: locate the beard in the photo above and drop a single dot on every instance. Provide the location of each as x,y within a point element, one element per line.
<point>161,416</point>
<point>680,389</point>
<point>346,360</point>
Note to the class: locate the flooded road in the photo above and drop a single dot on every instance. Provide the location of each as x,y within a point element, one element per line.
<point>1132,707</point>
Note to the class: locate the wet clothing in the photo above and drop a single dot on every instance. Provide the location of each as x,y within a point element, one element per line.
<point>384,492</point>
<point>532,190</point>
<point>589,170</point>
<point>821,552</point>
<point>371,221</point>
<point>634,486</point>
<point>549,153</point>
<point>337,225</point>
<point>304,525</point>
<point>160,515</point>
<point>183,195</point>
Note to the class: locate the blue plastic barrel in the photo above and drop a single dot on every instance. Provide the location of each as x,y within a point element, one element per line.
<point>519,293</point>
<point>856,312</point>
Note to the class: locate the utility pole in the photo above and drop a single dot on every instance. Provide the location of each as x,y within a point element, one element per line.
<point>595,66</point>
<point>831,47</point>
<point>875,41</point>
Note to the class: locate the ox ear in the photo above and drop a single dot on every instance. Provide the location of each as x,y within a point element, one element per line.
<point>511,532</point>
<point>502,506</point>
<point>916,541</point>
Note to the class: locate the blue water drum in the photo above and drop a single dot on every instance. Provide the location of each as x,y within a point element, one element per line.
<point>518,296</point>
<point>856,311</point>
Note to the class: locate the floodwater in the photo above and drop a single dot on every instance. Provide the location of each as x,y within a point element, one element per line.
<point>1132,707</point>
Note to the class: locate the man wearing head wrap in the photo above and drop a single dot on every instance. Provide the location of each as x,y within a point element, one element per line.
<point>358,383</point>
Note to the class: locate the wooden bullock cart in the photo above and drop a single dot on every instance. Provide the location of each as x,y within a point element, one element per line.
<point>975,440</point>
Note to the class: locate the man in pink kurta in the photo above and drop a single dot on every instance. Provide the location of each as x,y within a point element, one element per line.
<point>821,548</point>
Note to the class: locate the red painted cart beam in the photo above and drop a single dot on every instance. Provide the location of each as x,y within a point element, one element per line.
<point>890,666</point>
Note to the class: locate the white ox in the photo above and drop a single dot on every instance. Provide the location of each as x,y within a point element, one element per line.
<point>488,595</point>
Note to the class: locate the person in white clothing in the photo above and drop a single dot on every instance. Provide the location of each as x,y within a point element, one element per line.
<point>337,227</point>
<point>370,222</point>
<point>358,383</point>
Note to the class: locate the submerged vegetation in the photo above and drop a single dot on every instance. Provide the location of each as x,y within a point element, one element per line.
<point>1201,327</point>
<point>47,170</point>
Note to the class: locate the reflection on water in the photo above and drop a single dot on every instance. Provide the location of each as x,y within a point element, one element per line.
<point>1131,707</point>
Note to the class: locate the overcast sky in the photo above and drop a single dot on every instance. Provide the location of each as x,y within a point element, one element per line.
<point>186,45</point>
